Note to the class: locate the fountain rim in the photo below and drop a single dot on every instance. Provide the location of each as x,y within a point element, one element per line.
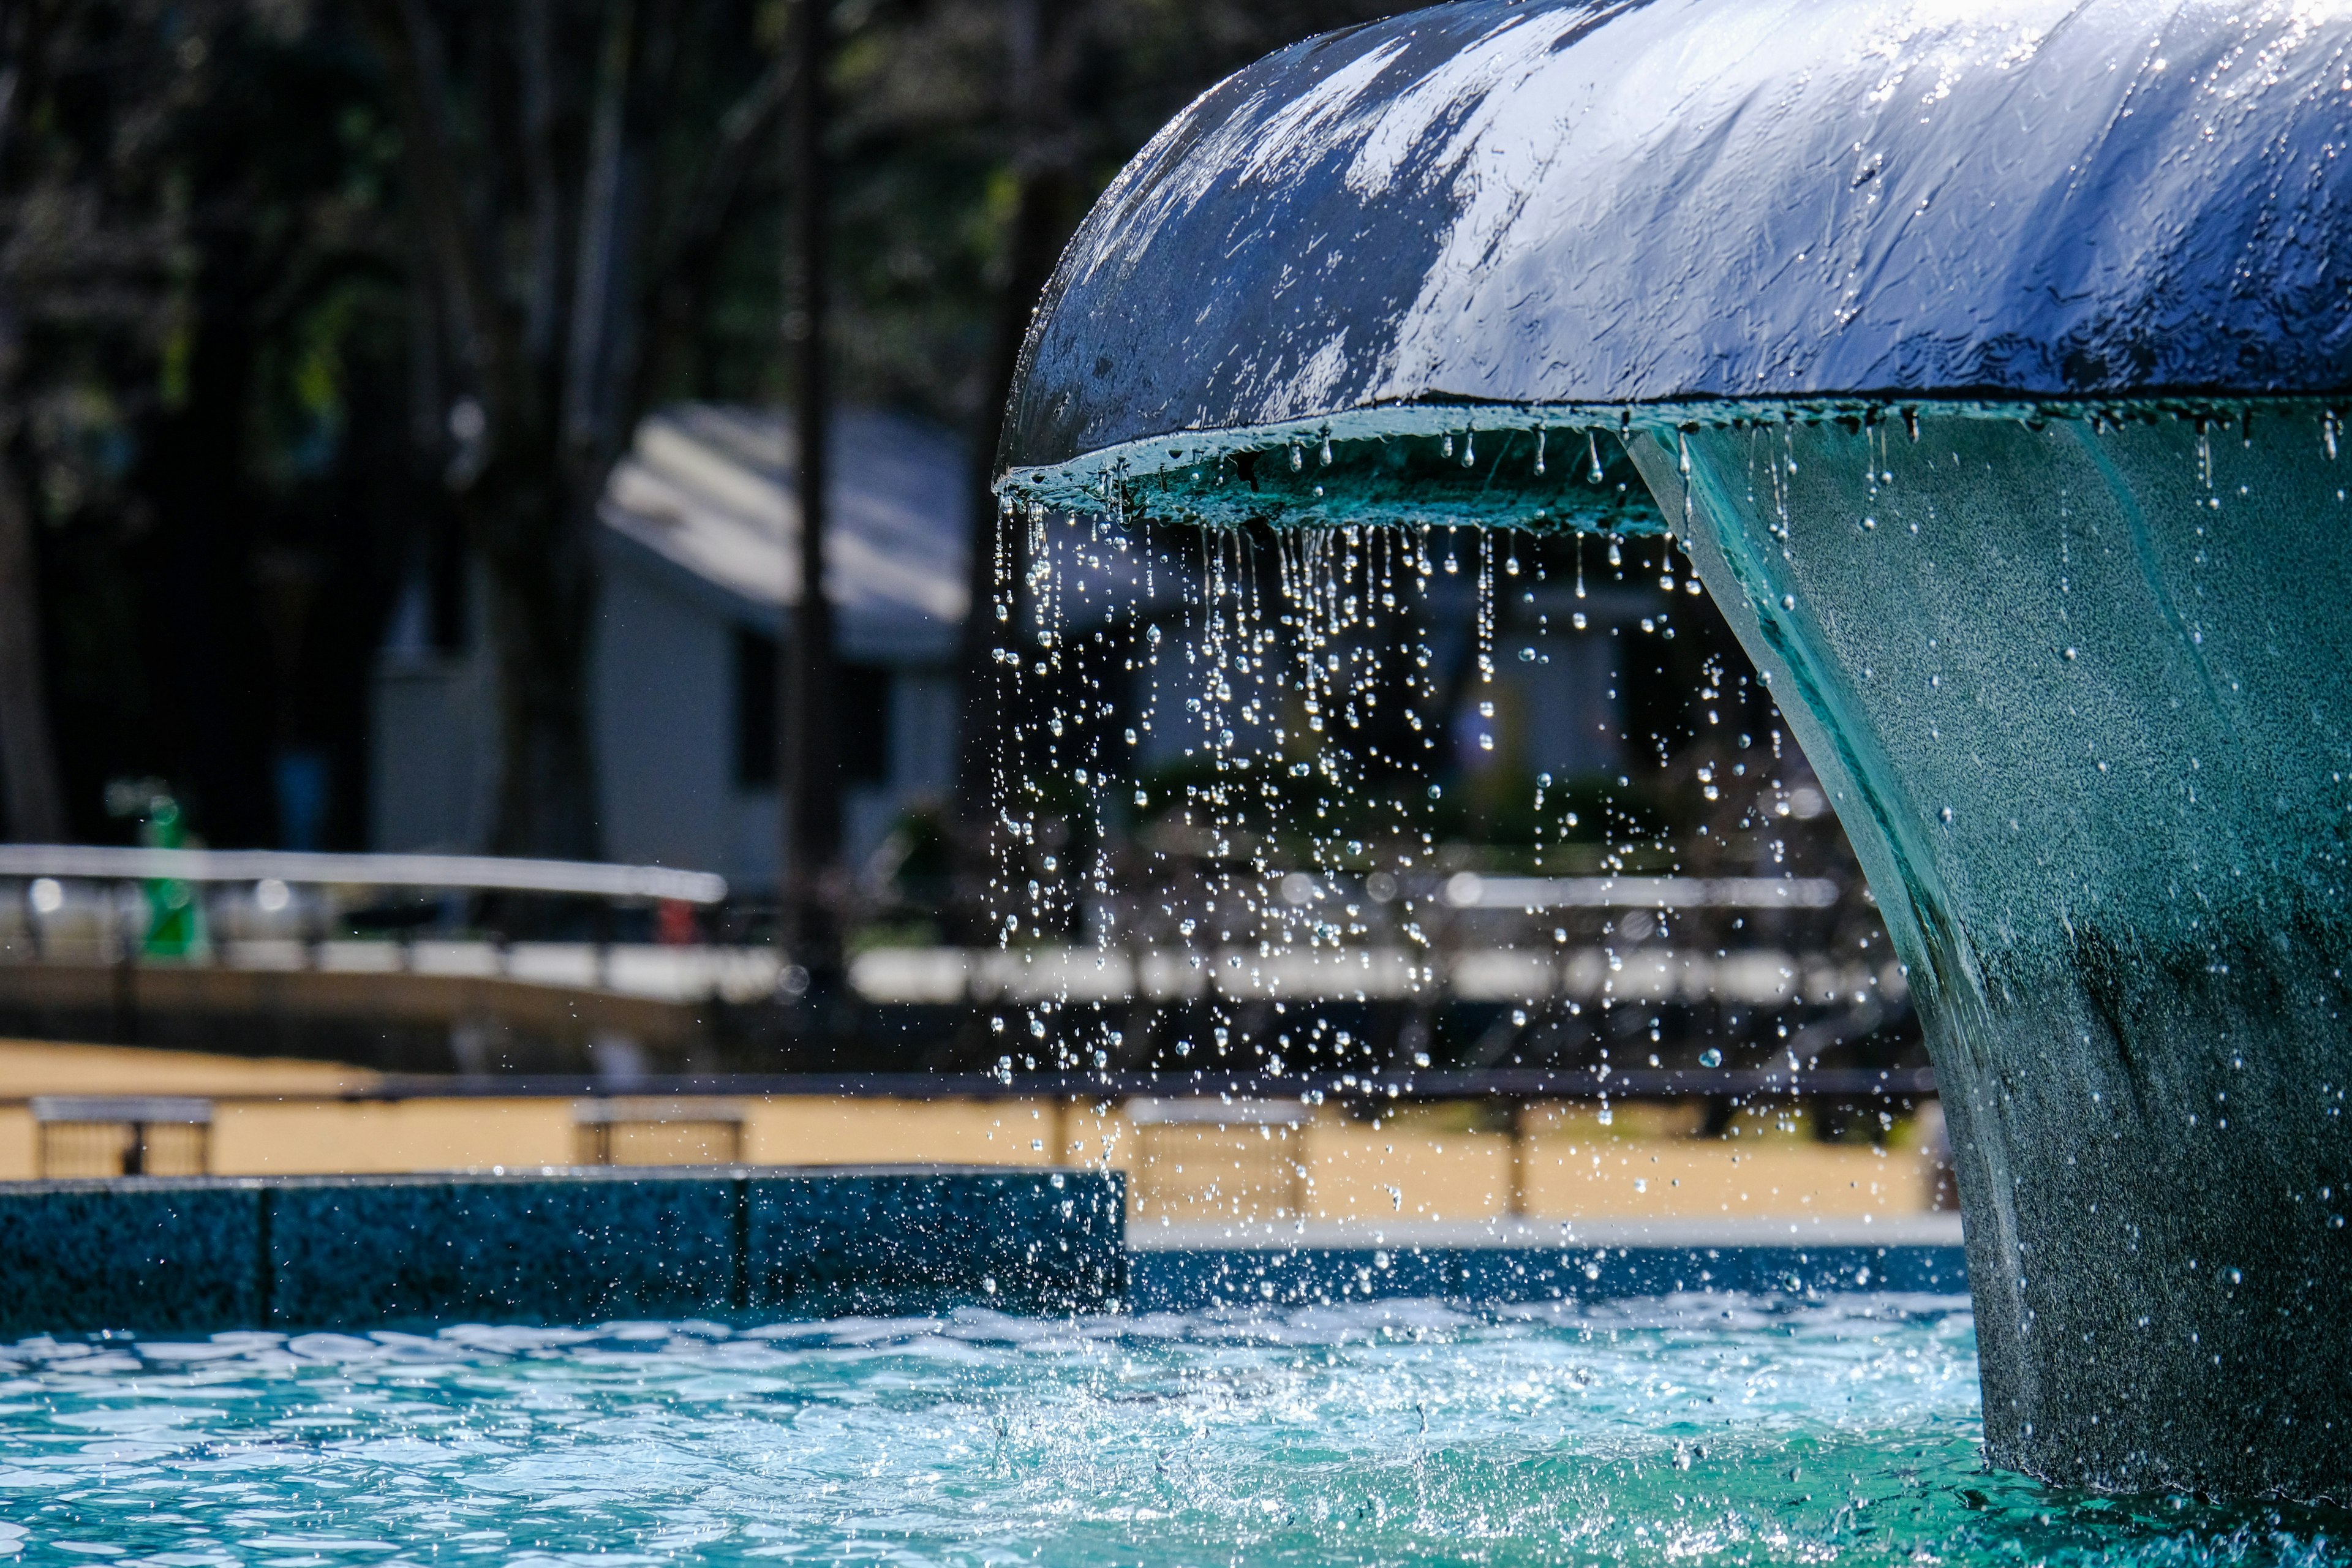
<point>1109,477</point>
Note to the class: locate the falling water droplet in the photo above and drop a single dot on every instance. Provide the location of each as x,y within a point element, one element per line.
<point>1592,451</point>
<point>1445,447</point>
<point>2328,425</point>
<point>1911,422</point>
<point>1324,457</point>
<point>1297,457</point>
<point>1710,1058</point>
<point>1682,453</point>
<point>1615,557</point>
<point>1539,453</point>
<point>1469,452</point>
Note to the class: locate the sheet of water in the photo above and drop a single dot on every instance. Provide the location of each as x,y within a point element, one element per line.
<point>1684,1429</point>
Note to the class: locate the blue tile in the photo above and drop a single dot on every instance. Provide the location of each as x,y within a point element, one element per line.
<point>574,1247</point>
<point>173,1256</point>
<point>1180,1281</point>
<point>893,1241</point>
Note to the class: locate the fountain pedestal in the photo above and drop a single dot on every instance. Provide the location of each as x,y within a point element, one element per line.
<point>2081,697</point>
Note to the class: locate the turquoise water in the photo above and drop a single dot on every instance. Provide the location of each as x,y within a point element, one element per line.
<point>1680,1430</point>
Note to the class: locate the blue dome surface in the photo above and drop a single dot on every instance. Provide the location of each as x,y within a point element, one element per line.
<point>1610,205</point>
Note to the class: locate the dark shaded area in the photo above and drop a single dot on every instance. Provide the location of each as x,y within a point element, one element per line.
<point>230,379</point>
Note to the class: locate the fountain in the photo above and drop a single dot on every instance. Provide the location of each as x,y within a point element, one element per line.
<point>1985,362</point>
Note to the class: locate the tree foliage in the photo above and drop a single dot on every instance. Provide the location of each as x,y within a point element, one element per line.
<point>302,301</point>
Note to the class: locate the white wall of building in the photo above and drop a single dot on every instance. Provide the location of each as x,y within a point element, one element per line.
<point>433,752</point>
<point>662,704</point>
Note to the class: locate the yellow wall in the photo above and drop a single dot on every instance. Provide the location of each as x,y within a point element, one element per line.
<point>823,1131</point>
<point>1424,1162</point>
<point>1395,1173</point>
<point>19,1144</point>
<point>48,1067</point>
<point>356,1138</point>
<point>1201,1172</point>
<point>1089,1139</point>
<point>1565,1178</point>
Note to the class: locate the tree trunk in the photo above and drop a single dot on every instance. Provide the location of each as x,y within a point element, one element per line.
<point>30,788</point>
<point>809,771</point>
<point>541,598</point>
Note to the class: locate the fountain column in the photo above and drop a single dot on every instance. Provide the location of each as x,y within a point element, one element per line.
<point>2082,698</point>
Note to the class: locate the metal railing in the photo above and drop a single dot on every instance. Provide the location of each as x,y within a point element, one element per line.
<point>467,873</point>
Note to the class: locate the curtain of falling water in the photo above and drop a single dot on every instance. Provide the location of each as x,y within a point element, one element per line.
<point>1258,743</point>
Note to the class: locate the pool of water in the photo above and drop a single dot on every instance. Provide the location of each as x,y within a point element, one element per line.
<point>1671,1430</point>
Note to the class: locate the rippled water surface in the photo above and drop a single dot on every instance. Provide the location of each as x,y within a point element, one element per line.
<point>1676,1430</point>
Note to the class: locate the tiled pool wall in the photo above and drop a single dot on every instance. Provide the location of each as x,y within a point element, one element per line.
<point>583,1246</point>
<point>553,1247</point>
<point>1179,1279</point>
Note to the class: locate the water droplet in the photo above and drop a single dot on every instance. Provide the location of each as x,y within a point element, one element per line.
<point>1710,1058</point>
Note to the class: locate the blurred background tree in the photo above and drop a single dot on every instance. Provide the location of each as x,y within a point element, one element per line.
<point>300,297</point>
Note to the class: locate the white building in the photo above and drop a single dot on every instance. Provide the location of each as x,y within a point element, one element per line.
<point>699,571</point>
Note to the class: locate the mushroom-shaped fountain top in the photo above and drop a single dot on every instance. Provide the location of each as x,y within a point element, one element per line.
<point>1468,215</point>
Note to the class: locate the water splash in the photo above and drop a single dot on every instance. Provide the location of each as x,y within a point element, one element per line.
<point>1324,728</point>
<point>1706,1426</point>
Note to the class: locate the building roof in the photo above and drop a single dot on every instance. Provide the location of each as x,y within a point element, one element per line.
<point>706,489</point>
